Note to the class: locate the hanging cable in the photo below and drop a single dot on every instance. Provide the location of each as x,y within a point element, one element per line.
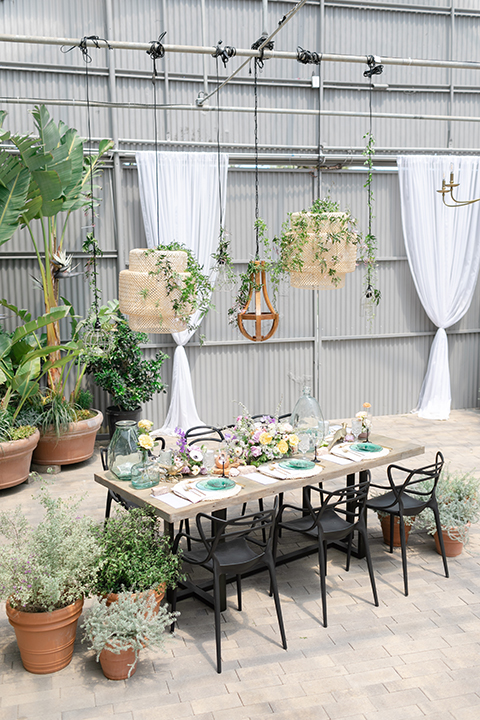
<point>225,53</point>
<point>308,57</point>
<point>263,43</point>
<point>156,52</point>
<point>374,66</point>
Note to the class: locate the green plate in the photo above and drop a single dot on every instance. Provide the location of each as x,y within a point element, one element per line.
<point>216,484</point>
<point>297,464</point>
<point>366,447</point>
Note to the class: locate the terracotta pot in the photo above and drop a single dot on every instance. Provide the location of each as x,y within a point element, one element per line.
<point>74,446</point>
<point>453,547</point>
<point>15,459</point>
<point>116,666</point>
<point>158,592</point>
<point>385,523</point>
<point>45,639</point>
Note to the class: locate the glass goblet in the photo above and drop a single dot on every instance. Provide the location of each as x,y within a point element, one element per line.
<point>304,444</point>
<point>356,427</point>
<point>209,460</point>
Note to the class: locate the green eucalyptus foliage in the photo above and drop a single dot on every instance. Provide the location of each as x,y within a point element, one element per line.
<point>123,372</point>
<point>131,622</point>
<point>458,497</point>
<point>52,565</point>
<point>136,556</point>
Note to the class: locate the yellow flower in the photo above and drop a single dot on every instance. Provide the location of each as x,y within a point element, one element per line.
<point>265,438</point>
<point>293,440</point>
<point>283,447</point>
<point>145,425</point>
<point>146,442</point>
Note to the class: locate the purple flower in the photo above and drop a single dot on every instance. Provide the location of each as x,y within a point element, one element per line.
<point>256,435</point>
<point>256,451</point>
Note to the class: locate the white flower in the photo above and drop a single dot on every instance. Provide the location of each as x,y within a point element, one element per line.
<point>146,442</point>
<point>238,451</point>
<point>195,470</point>
<point>285,428</point>
<point>178,462</point>
<point>233,472</point>
<point>362,415</point>
<point>196,454</point>
<point>145,425</point>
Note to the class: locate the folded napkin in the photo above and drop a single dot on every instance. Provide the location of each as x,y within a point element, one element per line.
<point>281,473</point>
<point>338,460</point>
<point>192,495</point>
<point>262,479</point>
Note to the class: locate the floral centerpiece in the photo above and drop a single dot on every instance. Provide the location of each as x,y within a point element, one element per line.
<point>365,416</point>
<point>188,460</point>
<point>254,442</point>
<point>145,442</point>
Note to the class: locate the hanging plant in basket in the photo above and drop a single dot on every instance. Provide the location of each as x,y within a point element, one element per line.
<point>163,288</point>
<point>318,247</point>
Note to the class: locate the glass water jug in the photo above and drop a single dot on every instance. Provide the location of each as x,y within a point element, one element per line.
<point>122,451</point>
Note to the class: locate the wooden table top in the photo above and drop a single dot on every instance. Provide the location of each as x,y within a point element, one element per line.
<point>399,450</point>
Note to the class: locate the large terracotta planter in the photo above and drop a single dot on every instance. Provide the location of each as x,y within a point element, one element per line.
<point>45,640</point>
<point>385,523</point>
<point>15,459</point>
<point>453,547</point>
<point>74,446</point>
<point>117,666</point>
<point>159,593</point>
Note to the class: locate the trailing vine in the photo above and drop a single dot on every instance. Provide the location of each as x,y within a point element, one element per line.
<point>189,291</point>
<point>368,246</point>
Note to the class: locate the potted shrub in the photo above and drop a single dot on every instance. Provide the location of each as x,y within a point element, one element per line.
<point>45,572</point>
<point>124,373</point>
<point>118,631</point>
<point>318,246</point>
<point>385,520</point>
<point>136,556</point>
<point>458,497</point>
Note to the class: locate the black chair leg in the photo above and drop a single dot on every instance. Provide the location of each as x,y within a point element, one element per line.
<point>186,522</point>
<point>349,551</point>
<point>440,539</point>
<point>239,591</point>
<point>274,590</point>
<point>392,523</point>
<point>323,587</point>
<point>368,557</point>
<point>403,544</point>
<point>218,636</point>
<point>108,506</point>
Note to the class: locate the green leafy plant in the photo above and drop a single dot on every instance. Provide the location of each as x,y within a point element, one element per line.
<point>187,293</point>
<point>137,557</point>
<point>123,372</point>
<point>317,228</point>
<point>52,565</point>
<point>132,622</point>
<point>40,188</point>
<point>458,498</point>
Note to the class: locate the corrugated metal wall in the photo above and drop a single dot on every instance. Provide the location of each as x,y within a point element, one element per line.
<point>324,335</point>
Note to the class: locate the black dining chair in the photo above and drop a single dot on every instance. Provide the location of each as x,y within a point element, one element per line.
<point>204,433</point>
<point>339,514</point>
<point>234,547</point>
<point>407,497</point>
<point>113,496</point>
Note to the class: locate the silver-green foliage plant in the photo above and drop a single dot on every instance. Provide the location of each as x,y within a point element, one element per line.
<point>458,497</point>
<point>130,622</point>
<point>52,565</point>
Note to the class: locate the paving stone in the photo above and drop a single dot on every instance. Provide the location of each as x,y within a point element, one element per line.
<point>105,711</point>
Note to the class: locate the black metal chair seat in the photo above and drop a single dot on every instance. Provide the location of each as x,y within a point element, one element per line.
<point>408,498</point>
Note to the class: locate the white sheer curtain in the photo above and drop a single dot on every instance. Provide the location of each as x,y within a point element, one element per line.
<point>443,250</point>
<point>188,212</point>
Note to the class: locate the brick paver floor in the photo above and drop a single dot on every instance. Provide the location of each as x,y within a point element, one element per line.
<point>412,657</point>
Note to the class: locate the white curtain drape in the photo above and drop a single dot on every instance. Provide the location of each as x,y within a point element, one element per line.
<point>443,250</point>
<point>188,212</point>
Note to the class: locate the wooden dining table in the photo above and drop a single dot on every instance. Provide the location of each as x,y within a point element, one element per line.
<point>251,490</point>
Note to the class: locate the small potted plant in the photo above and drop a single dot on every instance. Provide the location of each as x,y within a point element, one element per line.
<point>45,572</point>
<point>458,498</point>
<point>124,372</point>
<point>118,631</point>
<point>137,558</point>
<point>385,520</point>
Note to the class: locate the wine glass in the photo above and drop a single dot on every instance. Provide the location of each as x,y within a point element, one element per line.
<point>304,444</point>
<point>209,460</point>
<point>356,427</point>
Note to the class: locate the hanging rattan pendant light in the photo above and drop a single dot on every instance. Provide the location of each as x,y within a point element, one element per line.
<point>258,282</point>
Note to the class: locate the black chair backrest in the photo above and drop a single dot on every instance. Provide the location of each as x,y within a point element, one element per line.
<point>242,527</point>
<point>161,440</point>
<point>203,433</point>
<point>410,484</point>
<point>348,502</point>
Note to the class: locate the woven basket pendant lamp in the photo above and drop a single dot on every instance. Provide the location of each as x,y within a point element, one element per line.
<point>258,288</point>
<point>143,294</point>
